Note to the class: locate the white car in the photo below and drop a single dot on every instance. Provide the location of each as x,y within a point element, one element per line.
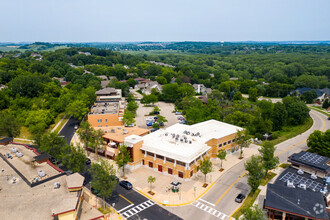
<point>75,127</point>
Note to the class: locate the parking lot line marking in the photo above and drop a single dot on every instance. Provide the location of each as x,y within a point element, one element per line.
<point>125,198</point>
<point>125,208</point>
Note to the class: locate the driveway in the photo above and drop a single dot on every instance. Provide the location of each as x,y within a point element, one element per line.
<point>166,110</point>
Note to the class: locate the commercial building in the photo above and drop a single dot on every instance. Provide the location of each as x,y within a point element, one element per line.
<point>108,109</point>
<point>311,163</point>
<point>33,189</point>
<point>177,149</point>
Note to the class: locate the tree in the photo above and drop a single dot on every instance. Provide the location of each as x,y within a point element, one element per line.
<point>74,159</point>
<point>123,157</point>
<point>132,106</point>
<point>309,96</point>
<point>253,94</point>
<point>161,80</point>
<point>186,90</point>
<point>326,104</point>
<point>243,140</point>
<point>77,109</point>
<point>161,120</point>
<point>205,166</point>
<point>269,161</point>
<point>319,142</point>
<point>85,132</point>
<point>254,213</point>
<point>151,180</point>
<point>9,126</point>
<point>256,172</point>
<point>279,116</point>
<point>103,178</point>
<point>222,156</point>
<point>147,99</point>
<point>97,140</point>
<point>54,145</point>
<point>170,92</point>
<point>238,96</point>
<point>128,118</point>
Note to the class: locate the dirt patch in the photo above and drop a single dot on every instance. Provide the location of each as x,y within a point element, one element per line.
<point>205,185</point>
<point>240,158</point>
<point>221,169</point>
<point>151,193</point>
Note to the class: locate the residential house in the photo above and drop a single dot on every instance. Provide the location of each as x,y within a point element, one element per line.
<point>201,89</point>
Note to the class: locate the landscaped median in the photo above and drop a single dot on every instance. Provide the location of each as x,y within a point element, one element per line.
<point>319,110</point>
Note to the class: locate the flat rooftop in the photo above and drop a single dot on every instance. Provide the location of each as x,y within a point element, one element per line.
<point>23,201</point>
<point>26,165</point>
<point>105,108</point>
<point>186,142</point>
<point>119,133</point>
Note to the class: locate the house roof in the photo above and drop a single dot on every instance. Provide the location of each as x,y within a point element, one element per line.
<point>103,77</point>
<point>311,160</point>
<point>300,91</point>
<point>43,156</point>
<point>6,139</point>
<point>295,200</point>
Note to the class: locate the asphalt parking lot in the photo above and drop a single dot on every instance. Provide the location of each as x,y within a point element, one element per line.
<point>166,110</point>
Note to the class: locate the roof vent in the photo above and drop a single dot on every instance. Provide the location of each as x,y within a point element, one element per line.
<point>189,142</point>
<point>113,131</point>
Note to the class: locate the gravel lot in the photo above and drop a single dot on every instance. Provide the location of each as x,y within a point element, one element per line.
<point>166,110</point>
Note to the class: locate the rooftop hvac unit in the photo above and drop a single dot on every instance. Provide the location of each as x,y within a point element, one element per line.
<point>57,185</point>
<point>105,131</point>
<point>113,131</point>
<point>189,142</point>
<point>125,132</point>
<point>118,128</point>
<point>181,140</point>
<point>290,184</point>
<point>197,133</point>
<point>186,141</point>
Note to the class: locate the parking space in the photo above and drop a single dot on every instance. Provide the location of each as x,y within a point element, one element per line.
<point>166,110</point>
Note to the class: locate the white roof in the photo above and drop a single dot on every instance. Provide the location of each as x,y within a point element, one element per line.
<point>164,143</point>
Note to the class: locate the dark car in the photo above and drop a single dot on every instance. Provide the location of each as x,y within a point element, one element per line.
<point>328,118</point>
<point>240,198</point>
<point>154,129</point>
<point>88,161</point>
<point>94,191</point>
<point>155,113</point>
<point>115,178</point>
<point>127,185</point>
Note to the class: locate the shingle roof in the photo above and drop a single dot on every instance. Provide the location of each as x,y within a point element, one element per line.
<point>106,91</point>
<point>6,139</point>
<point>43,156</point>
<point>295,200</point>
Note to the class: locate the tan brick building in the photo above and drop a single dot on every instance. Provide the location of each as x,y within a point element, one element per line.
<point>177,149</point>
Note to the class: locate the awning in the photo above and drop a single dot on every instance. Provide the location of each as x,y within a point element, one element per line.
<point>109,153</point>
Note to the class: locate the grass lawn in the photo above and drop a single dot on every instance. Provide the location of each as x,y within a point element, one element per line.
<point>291,131</point>
<point>318,108</point>
<point>57,119</point>
<point>105,210</point>
<point>25,133</point>
<point>61,125</point>
<point>248,202</point>
<point>265,180</point>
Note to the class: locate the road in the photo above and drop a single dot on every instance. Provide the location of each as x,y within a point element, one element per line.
<point>68,130</point>
<point>220,198</point>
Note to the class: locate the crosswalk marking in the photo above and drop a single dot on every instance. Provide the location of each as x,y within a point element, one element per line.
<point>138,208</point>
<point>210,210</point>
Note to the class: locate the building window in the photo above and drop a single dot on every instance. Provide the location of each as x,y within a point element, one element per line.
<point>160,157</point>
<point>150,154</point>
<point>180,163</point>
<point>169,160</point>
<point>220,145</point>
<point>106,120</point>
<point>225,143</point>
<point>233,140</point>
<point>143,151</point>
<point>191,173</point>
<point>228,151</point>
<point>191,163</point>
<point>170,171</point>
<point>229,142</point>
<point>99,120</point>
<point>180,174</point>
<point>151,165</point>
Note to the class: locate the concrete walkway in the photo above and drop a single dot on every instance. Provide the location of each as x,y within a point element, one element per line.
<point>59,124</point>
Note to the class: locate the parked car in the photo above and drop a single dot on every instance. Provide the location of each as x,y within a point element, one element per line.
<point>94,191</point>
<point>183,122</point>
<point>115,178</point>
<point>149,124</point>
<point>131,125</point>
<point>239,198</point>
<point>178,113</point>
<point>155,118</point>
<point>75,127</point>
<point>180,117</point>
<point>127,185</point>
<point>155,113</point>
<point>154,129</point>
<point>88,161</point>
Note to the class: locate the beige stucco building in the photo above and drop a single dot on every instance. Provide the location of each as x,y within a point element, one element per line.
<point>177,149</point>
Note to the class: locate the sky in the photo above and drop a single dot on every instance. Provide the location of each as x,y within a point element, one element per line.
<point>166,20</point>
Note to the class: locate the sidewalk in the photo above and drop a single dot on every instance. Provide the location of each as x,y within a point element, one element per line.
<point>190,190</point>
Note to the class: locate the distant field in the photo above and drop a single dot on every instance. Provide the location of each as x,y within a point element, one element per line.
<point>32,48</point>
